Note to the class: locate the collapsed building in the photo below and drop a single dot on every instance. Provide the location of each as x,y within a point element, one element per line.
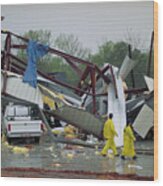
<point>80,105</point>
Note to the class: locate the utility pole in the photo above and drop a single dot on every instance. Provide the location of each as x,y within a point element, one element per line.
<point>150,55</point>
<point>132,72</point>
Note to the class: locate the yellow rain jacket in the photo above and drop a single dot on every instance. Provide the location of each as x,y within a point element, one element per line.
<point>109,130</point>
<point>109,133</point>
<point>129,138</point>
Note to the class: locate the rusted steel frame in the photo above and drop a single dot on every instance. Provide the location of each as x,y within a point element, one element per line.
<point>20,69</point>
<point>5,82</point>
<point>106,79</point>
<point>23,69</point>
<point>74,67</point>
<point>17,70</point>
<point>64,84</point>
<point>103,71</point>
<point>6,51</point>
<point>17,59</point>
<point>18,46</point>
<point>97,78</point>
<point>70,61</point>
<point>2,59</point>
<point>93,82</point>
<point>11,33</point>
<point>136,90</point>
<point>70,57</point>
<point>132,71</point>
<point>84,76</point>
<point>50,78</point>
<point>59,53</point>
<point>51,50</point>
<point>150,55</point>
<point>114,82</point>
<point>6,60</point>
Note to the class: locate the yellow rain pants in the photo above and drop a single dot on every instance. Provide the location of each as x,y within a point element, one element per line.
<point>109,133</point>
<point>129,138</point>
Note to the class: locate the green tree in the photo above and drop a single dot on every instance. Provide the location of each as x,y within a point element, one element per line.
<point>110,52</point>
<point>70,44</point>
<point>114,53</point>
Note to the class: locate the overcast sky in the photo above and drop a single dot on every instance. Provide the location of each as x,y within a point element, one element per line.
<point>92,23</point>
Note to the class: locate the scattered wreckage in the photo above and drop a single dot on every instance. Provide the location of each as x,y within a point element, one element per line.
<point>20,83</point>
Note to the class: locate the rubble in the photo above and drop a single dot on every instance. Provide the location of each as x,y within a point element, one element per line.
<point>74,147</point>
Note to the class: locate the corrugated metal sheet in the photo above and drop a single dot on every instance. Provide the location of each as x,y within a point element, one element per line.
<point>150,101</point>
<point>150,83</point>
<point>81,119</point>
<point>134,103</point>
<point>144,121</point>
<point>127,65</point>
<point>69,95</point>
<point>18,89</point>
<point>55,96</point>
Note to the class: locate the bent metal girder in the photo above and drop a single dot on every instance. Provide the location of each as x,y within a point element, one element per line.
<point>91,70</point>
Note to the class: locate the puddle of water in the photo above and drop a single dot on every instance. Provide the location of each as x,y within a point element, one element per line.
<point>49,157</point>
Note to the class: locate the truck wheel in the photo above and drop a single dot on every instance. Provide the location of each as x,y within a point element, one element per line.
<point>37,139</point>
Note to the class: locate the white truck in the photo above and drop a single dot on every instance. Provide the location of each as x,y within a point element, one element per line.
<point>22,122</point>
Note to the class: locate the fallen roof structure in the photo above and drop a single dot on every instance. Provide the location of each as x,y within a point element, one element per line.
<point>144,121</point>
<point>112,77</point>
<point>15,87</point>
<point>80,119</point>
<point>90,69</point>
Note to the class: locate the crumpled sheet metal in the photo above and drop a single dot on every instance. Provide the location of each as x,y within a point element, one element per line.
<point>81,119</point>
<point>150,83</point>
<point>127,65</point>
<point>144,121</point>
<point>17,88</point>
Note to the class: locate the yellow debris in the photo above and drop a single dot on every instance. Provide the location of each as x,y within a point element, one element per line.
<point>57,132</point>
<point>70,155</point>
<point>70,136</point>
<point>49,102</point>
<point>20,150</point>
<point>69,129</point>
<point>60,96</point>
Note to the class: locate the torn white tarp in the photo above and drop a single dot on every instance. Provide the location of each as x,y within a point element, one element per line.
<point>150,83</point>
<point>127,65</point>
<point>17,88</point>
<point>144,121</point>
<point>117,107</point>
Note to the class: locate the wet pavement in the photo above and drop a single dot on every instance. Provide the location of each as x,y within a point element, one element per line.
<point>66,159</point>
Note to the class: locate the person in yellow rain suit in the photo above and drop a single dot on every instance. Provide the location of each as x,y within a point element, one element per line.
<point>128,138</point>
<point>109,133</point>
